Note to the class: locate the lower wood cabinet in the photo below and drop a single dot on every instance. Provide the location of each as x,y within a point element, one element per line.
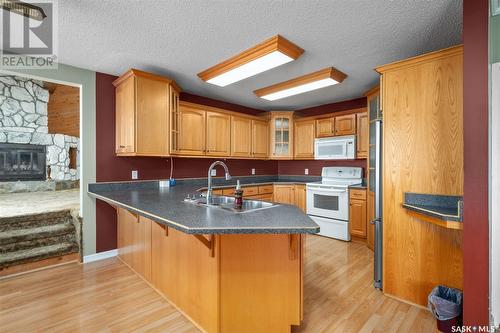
<point>134,242</point>
<point>357,212</point>
<point>284,194</point>
<point>222,283</point>
<point>185,273</point>
<point>300,197</point>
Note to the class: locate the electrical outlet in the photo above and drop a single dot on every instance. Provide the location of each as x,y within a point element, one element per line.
<point>213,172</point>
<point>253,171</point>
<point>135,174</point>
<point>306,171</point>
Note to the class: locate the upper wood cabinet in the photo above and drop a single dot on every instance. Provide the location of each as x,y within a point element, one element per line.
<point>362,125</point>
<point>260,138</point>
<point>190,133</point>
<point>345,125</point>
<point>241,136</point>
<point>281,128</point>
<point>143,105</point>
<point>218,134</point>
<point>304,131</point>
<point>325,127</point>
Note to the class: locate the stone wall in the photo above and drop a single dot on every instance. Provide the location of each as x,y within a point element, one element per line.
<point>24,119</point>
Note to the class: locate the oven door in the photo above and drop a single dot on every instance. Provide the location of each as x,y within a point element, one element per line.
<point>328,202</point>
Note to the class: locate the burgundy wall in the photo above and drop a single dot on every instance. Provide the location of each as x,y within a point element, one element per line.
<point>112,168</point>
<point>335,107</point>
<point>476,224</point>
<point>187,97</point>
<point>297,167</point>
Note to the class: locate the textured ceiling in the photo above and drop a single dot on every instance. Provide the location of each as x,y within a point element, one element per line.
<point>181,38</point>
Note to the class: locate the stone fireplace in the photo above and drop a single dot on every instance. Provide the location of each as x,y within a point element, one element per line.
<point>22,162</point>
<point>24,134</point>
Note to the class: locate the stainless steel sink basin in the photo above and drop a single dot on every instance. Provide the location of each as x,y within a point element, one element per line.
<point>227,203</point>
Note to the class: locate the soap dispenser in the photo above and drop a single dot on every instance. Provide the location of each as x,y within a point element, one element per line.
<point>238,196</point>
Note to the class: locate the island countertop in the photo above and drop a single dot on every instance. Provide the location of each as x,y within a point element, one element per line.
<point>167,206</point>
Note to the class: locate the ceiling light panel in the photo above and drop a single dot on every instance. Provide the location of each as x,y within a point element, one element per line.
<point>269,54</point>
<point>317,80</point>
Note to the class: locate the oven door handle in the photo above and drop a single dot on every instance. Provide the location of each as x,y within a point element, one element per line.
<point>322,189</point>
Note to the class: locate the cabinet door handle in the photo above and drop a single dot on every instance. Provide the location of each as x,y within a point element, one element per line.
<point>121,146</point>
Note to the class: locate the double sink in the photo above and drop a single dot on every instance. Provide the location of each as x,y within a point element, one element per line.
<point>227,203</point>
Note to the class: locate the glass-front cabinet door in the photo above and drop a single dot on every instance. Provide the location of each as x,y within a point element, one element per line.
<point>281,134</point>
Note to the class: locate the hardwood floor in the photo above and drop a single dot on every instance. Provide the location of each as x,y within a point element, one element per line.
<point>339,294</point>
<point>106,296</point>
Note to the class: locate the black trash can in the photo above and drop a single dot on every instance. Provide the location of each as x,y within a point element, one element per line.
<point>446,305</point>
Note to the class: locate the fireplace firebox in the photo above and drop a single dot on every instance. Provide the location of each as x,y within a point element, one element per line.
<point>22,162</point>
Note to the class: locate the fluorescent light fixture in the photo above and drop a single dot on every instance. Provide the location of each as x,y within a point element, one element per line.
<point>317,80</point>
<point>271,53</point>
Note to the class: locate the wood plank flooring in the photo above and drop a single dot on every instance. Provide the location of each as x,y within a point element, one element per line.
<point>106,296</point>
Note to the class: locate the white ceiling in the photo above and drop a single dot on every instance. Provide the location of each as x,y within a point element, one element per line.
<point>181,38</point>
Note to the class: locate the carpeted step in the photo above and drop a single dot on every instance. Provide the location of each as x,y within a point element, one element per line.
<point>35,220</point>
<point>24,245</point>
<point>23,235</point>
<point>37,253</point>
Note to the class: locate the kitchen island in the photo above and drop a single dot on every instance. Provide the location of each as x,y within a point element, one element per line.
<point>226,271</point>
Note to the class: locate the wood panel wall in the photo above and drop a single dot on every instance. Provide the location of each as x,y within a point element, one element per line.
<point>422,102</point>
<point>64,110</point>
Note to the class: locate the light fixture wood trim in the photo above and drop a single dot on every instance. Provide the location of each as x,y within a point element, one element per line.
<point>137,72</point>
<point>275,43</point>
<point>326,73</point>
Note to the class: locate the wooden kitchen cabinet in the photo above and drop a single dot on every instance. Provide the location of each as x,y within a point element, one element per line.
<point>325,127</point>
<point>260,138</point>
<point>300,197</point>
<point>241,136</point>
<point>134,242</point>
<point>281,129</point>
<point>357,212</point>
<point>186,274</point>
<point>218,134</point>
<point>284,194</point>
<point>190,133</point>
<point>304,133</point>
<point>143,105</point>
<point>345,125</point>
<point>362,125</point>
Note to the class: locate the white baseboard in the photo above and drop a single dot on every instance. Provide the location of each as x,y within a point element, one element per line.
<point>100,256</point>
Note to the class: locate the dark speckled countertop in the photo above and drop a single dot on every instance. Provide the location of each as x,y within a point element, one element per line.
<point>444,207</point>
<point>166,206</point>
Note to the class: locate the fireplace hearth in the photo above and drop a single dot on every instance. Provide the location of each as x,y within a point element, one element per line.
<point>22,162</point>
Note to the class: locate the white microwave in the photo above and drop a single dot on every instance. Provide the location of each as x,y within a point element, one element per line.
<point>335,148</point>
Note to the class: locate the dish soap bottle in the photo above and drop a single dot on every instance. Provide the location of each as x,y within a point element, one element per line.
<point>238,196</point>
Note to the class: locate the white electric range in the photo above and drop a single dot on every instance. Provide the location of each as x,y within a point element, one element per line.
<point>328,200</point>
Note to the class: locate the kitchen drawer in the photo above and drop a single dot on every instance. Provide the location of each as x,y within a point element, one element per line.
<point>250,190</point>
<point>265,189</point>
<point>262,197</point>
<point>357,194</point>
<point>228,191</point>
